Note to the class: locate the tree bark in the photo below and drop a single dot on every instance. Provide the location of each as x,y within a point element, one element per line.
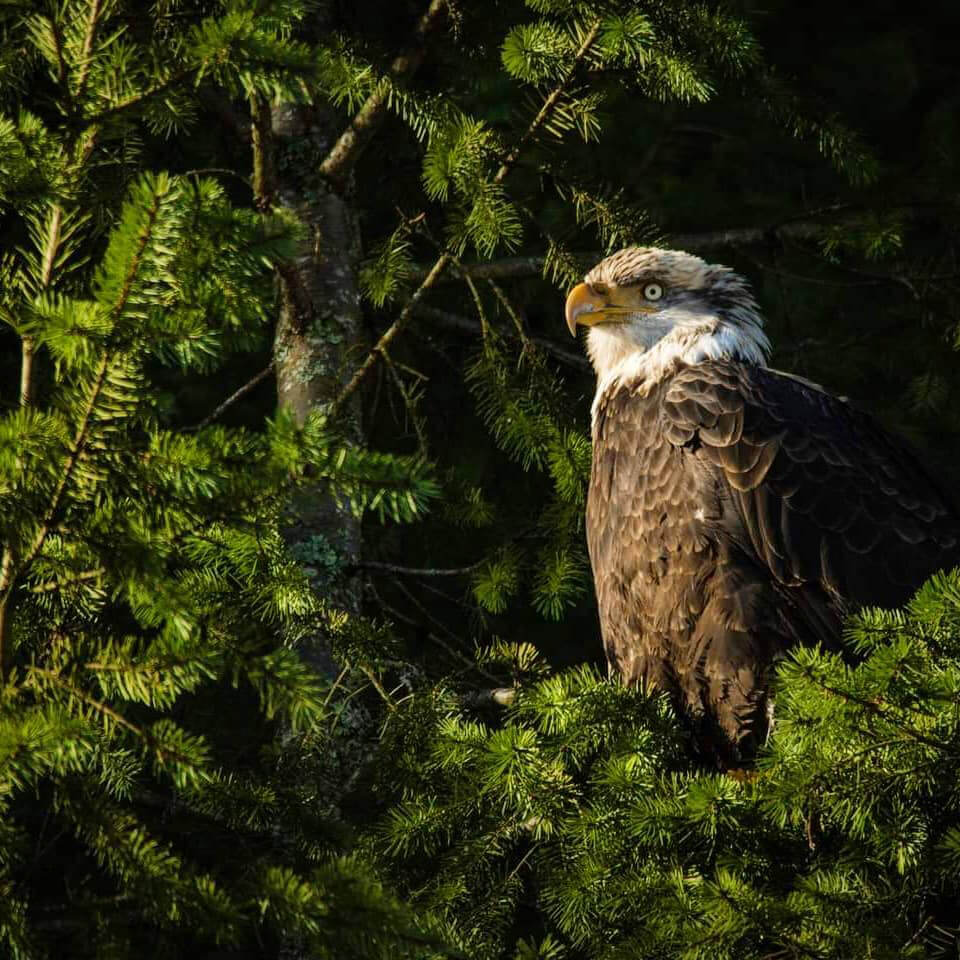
<point>319,328</point>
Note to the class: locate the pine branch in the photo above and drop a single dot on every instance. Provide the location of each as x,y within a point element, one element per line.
<point>517,268</point>
<point>10,571</point>
<point>801,227</point>
<point>140,98</point>
<point>877,707</point>
<point>110,715</point>
<point>69,466</point>
<point>477,302</point>
<point>553,98</point>
<point>63,71</point>
<point>105,710</point>
<point>344,154</point>
<point>51,585</point>
<point>73,458</point>
<point>447,257</point>
<point>8,564</point>
<point>85,54</point>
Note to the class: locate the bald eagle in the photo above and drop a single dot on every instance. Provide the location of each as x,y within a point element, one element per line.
<point>734,510</point>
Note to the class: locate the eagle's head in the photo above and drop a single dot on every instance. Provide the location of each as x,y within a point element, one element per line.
<point>649,310</point>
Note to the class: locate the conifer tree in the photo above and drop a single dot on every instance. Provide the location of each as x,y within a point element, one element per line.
<point>577,822</point>
<point>173,776</point>
<point>161,786</point>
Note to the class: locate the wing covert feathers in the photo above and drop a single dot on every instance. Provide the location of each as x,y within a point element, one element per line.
<point>811,467</point>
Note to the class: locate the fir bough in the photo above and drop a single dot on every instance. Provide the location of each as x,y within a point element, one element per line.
<point>582,811</point>
<point>144,572</point>
<point>152,618</point>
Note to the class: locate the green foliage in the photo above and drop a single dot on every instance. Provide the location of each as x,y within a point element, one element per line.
<point>497,581</point>
<point>457,165</point>
<point>145,586</point>
<point>144,567</point>
<point>873,238</point>
<point>624,38</point>
<point>189,721</point>
<point>464,504</point>
<point>523,408</point>
<point>536,51</point>
<point>834,139</point>
<point>383,277</point>
<point>561,579</point>
<point>584,803</point>
<point>617,222</point>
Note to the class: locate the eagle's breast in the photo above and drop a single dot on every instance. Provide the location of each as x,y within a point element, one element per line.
<point>735,512</point>
<point>651,511</point>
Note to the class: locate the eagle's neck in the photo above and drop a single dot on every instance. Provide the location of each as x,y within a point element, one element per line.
<point>621,363</point>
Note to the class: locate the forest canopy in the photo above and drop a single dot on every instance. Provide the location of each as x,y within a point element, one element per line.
<point>298,640</point>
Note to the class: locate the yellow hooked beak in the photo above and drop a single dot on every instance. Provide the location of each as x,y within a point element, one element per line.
<point>587,308</point>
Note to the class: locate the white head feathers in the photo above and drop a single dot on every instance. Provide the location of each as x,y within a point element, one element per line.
<point>650,310</point>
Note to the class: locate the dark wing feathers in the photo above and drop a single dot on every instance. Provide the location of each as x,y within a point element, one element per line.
<point>734,512</point>
<point>823,493</point>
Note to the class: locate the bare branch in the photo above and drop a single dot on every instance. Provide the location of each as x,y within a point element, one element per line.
<point>477,302</point>
<point>262,152</point>
<point>409,398</point>
<point>234,397</point>
<point>515,268</point>
<point>28,347</point>
<point>418,571</point>
<point>428,281</point>
<point>495,697</point>
<point>801,227</point>
<point>344,153</point>
<point>377,685</point>
<point>456,321</point>
<point>469,663</point>
<point>514,313</point>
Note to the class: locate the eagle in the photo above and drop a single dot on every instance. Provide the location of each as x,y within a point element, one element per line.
<point>734,511</point>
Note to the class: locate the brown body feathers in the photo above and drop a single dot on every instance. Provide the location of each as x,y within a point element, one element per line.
<point>734,512</point>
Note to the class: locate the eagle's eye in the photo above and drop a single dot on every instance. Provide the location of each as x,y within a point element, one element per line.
<point>653,291</point>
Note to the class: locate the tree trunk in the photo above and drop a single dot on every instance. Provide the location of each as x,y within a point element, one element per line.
<point>319,331</point>
<point>301,163</point>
